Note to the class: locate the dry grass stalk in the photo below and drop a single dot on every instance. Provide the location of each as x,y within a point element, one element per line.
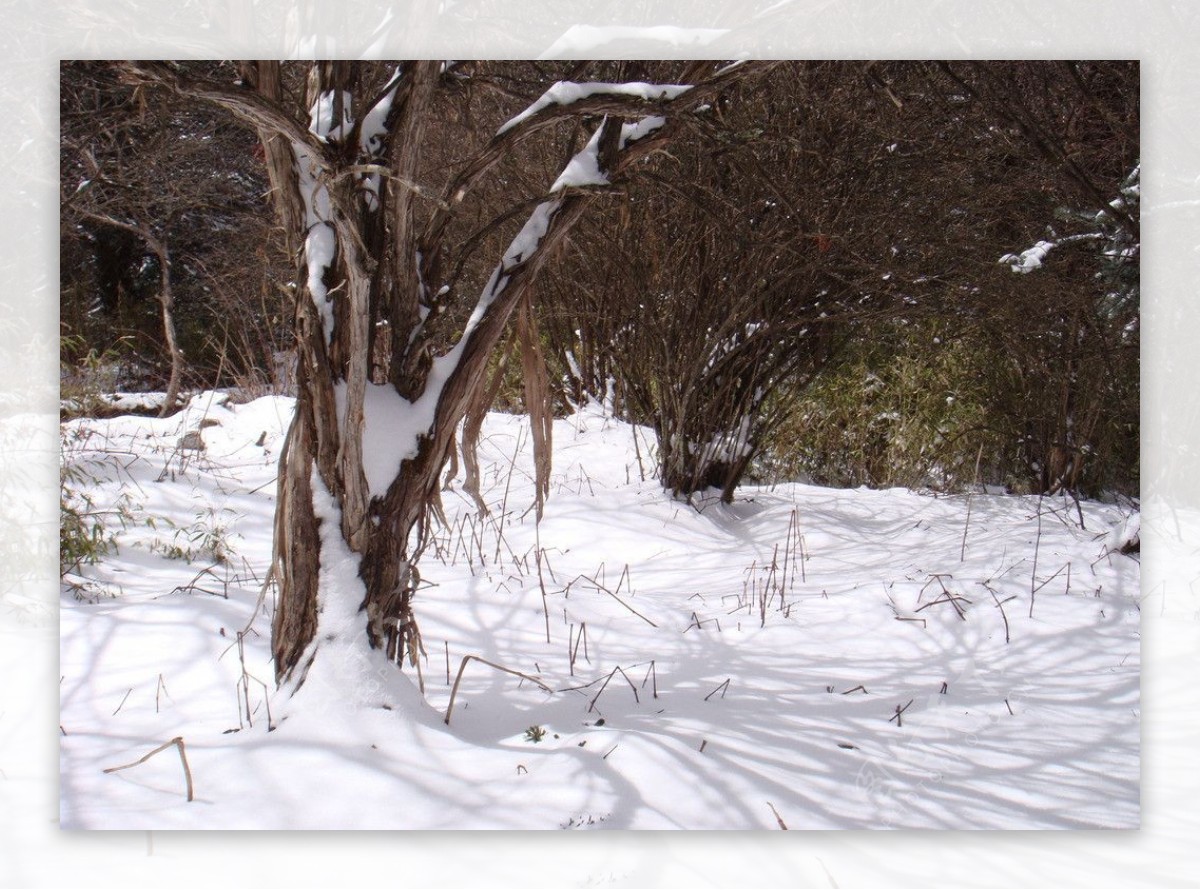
<point>600,587</point>
<point>603,686</point>
<point>946,597</point>
<point>123,699</point>
<point>723,688</point>
<point>178,743</point>
<point>778,818</point>
<point>160,689</point>
<point>463,666</point>
<point>900,709</point>
<point>573,641</point>
<point>1000,605</point>
<point>1036,547</point>
<point>651,674</point>
<point>962,553</point>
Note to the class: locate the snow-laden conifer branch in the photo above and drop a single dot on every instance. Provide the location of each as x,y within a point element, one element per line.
<point>1122,244</point>
<point>1032,258</point>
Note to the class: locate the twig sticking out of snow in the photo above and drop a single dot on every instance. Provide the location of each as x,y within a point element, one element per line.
<point>601,588</point>
<point>178,743</point>
<point>462,667</point>
<point>723,688</point>
<point>1036,547</point>
<point>778,818</point>
<point>123,700</point>
<point>573,647</point>
<point>1000,605</point>
<point>611,674</point>
<point>947,597</point>
<point>900,709</point>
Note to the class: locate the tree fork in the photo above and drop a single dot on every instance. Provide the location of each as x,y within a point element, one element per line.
<point>366,265</point>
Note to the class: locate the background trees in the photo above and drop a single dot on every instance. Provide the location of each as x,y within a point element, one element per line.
<point>732,277</point>
<point>165,246</point>
<point>838,240</point>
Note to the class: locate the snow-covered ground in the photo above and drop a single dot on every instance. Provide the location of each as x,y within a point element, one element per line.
<point>805,657</point>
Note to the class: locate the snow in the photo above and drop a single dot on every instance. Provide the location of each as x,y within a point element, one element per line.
<point>373,125</point>
<point>763,648</point>
<point>320,242</point>
<point>392,426</point>
<point>1030,259</point>
<point>638,130</point>
<point>122,401</point>
<point>371,137</point>
<point>566,92</point>
<point>584,168</point>
<point>519,249</point>
<point>321,116</point>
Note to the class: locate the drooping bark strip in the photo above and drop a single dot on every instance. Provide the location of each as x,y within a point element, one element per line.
<point>345,173</point>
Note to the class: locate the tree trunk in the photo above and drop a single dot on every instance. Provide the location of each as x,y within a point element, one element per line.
<point>346,188</point>
<point>166,296</point>
<point>166,299</point>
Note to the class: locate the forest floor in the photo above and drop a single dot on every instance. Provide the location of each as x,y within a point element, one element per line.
<point>803,657</point>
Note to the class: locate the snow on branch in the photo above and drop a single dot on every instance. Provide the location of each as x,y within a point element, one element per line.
<point>1124,245</point>
<point>321,116</point>
<point>635,132</point>
<point>374,122</point>
<point>522,247</point>
<point>584,170</point>
<point>1031,260</point>
<point>1127,201</point>
<point>565,93</point>
<point>371,138</point>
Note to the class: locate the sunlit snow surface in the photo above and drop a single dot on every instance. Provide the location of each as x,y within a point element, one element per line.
<point>724,713</point>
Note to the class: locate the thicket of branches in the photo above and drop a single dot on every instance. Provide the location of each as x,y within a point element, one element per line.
<point>170,264</point>
<point>890,273</point>
<point>886,274</point>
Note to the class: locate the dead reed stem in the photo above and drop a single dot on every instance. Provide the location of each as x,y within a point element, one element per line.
<point>178,743</point>
<point>463,666</point>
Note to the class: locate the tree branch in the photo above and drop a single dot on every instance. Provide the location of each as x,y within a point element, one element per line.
<point>247,104</point>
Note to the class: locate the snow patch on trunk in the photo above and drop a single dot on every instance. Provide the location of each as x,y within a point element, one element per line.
<point>320,242</point>
<point>345,673</point>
